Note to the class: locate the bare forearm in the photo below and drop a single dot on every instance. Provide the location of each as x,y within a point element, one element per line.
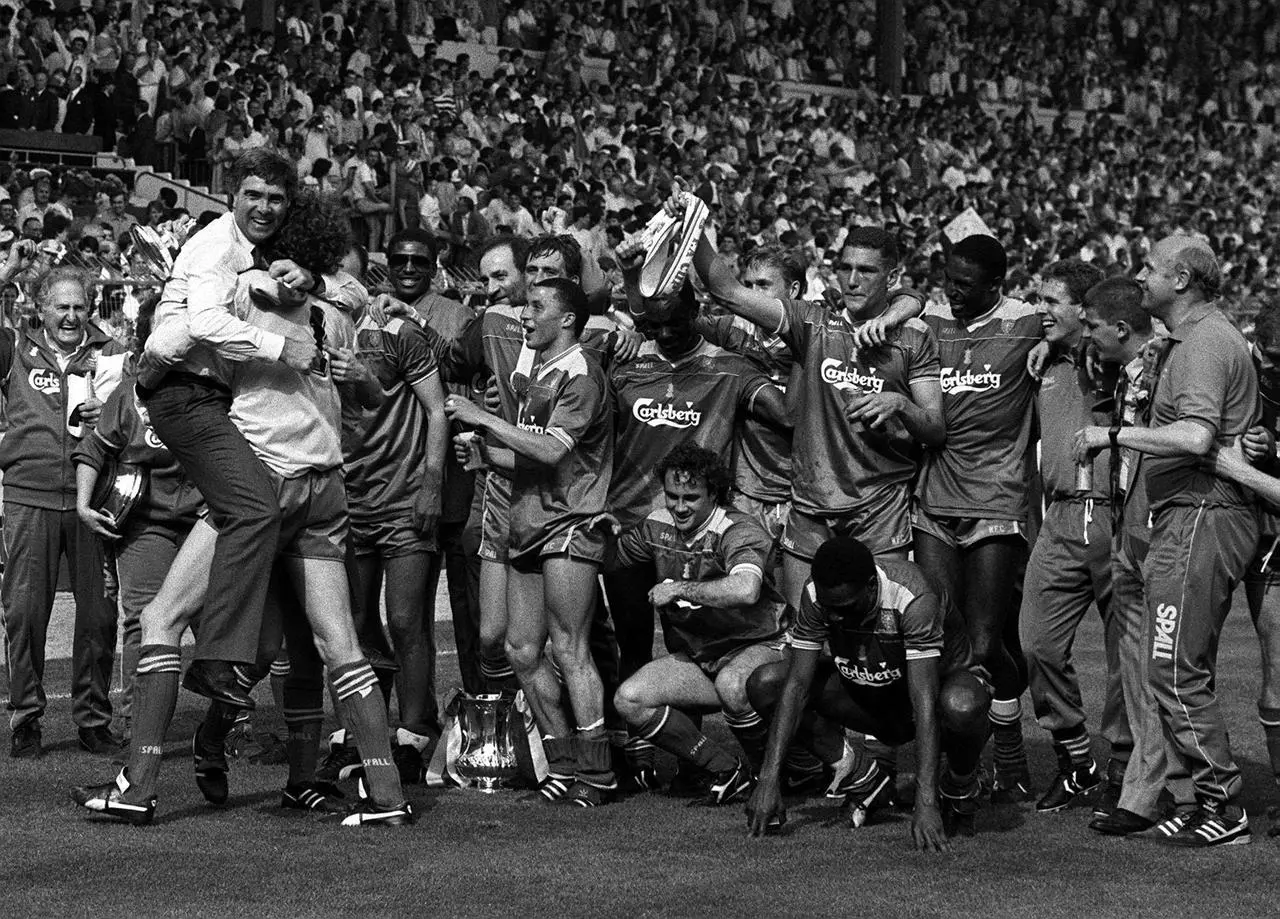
<point>541,448</point>
<point>86,479</point>
<point>925,426</point>
<point>1182,438</point>
<point>741,589</point>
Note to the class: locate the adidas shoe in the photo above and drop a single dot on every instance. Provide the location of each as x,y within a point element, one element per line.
<point>211,773</point>
<point>312,796</point>
<point>107,800</point>
<point>583,794</point>
<point>1210,825</point>
<point>1168,826</point>
<point>1109,800</point>
<point>863,793</point>
<point>368,813</point>
<point>1069,784</point>
<point>552,789</point>
<point>730,785</point>
<point>339,762</point>
<point>1011,788</point>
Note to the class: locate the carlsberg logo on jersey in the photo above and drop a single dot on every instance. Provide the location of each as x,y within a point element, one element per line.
<point>665,415</point>
<point>849,379</point>
<point>955,381</point>
<point>864,675</point>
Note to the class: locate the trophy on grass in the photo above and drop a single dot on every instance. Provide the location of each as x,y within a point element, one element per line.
<point>488,754</point>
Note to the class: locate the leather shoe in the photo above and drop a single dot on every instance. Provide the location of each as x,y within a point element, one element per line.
<point>100,740</point>
<point>1120,822</point>
<point>216,680</point>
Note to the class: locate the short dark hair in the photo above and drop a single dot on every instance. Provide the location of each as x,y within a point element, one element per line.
<point>414,235</point>
<point>1119,299</point>
<point>1077,276</point>
<point>563,245</point>
<point>842,560</point>
<point>698,462</point>
<point>316,233</point>
<point>271,167</point>
<point>572,299</point>
<point>518,245</point>
<point>783,261</point>
<point>877,239</point>
<point>986,252</point>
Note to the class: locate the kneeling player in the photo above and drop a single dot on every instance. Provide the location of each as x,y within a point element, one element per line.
<point>902,670</point>
<point>721,619</point>
<point>559,455</point>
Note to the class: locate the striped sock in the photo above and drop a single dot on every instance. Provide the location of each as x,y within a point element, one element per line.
<point>641,754</point>
<point>279,671</point>
<point>155,696</point>
<point>594,758</point>
<point>1073,746</point>
<point>496,671</point>
<point>1270,719</point>
<point>672,730</point>
<point>356,687</point>
<point>561,762</point>
<point>1008,753</point>
<point>752,733</point>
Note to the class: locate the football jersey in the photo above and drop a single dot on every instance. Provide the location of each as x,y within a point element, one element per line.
<point>987,398</point>
<point>833,461</point>
<point>660,404</point>
<point>762,458</point>
<point>914,619</point>
<point>728,543</point>
<point>566,398</point>
<point>385,450</point>
<point>489,346</point>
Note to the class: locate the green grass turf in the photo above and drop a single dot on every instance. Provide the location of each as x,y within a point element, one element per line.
<point>478,855</point>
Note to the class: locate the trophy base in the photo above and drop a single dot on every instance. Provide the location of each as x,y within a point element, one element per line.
<point>489,785</point>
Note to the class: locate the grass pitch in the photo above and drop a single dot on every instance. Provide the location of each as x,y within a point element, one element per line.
<point>492,856</point>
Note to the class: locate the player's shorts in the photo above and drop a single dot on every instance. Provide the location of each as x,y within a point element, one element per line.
<point>495,519</point>
<point>313,515</point>
<point>712,668</point>
<point>1264,570</point>
<point>771,515</point>
<point>389,538</point>
<point>963,532</point>
<point>574,539</point>
<point>882,524</point>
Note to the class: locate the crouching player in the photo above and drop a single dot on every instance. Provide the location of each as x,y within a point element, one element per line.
<point>721,619</point>
<point>902,670</point>
<point>559,454</point>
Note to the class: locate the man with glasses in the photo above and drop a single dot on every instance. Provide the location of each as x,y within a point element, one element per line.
<point>901,669</point>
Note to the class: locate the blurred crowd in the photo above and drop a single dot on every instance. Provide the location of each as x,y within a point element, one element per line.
<point>1070,129</point>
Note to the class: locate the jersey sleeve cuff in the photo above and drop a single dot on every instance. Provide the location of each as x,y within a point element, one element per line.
<point>804,644</point>
<point>748,568</point>
<point>560,435</point>
<point>923,654</point>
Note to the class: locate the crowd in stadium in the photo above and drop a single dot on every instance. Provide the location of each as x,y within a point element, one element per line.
<point>744,441</point>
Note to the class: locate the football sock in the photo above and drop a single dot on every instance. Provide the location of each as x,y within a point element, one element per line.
<point>641,754</point>
<point>279,673</point>
<point>752,734</point>
<point>1073,747</point>
<point>217,724</point>
<point>155,696</point>
<point>1009,755</point>
<point>303,708</point>
<point>1270,718</point>
<point>497,673</point>
<point>672,730</point>
<point>595,760</point>
<point>561,761</point>
<point>355,685</point>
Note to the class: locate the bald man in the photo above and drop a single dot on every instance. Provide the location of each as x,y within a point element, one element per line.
<point>1204,528</point>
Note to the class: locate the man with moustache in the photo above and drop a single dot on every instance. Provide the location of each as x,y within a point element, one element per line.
<point>1204,528</point>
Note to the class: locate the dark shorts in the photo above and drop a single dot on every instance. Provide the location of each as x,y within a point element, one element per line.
<point>882,524</point>
<point>963,532</point>
<point>314,522</point>
<point>495,519</point>
<point>712,668</point>
<point>574,539</point>
<point>389,538</point>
